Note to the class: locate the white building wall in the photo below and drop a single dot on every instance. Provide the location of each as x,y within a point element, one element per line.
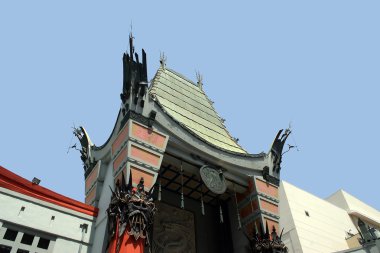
<point>59,222</point>
<point>354,205</point>
<point>66,246</point>
<point>323,231</point>
<point>289,236</point>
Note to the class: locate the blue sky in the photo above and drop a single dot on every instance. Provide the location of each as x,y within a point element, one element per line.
<point>264,64</point>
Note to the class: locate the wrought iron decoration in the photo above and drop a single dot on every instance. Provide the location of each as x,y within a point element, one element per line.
<point>131,210</point>
<point>263,242</point>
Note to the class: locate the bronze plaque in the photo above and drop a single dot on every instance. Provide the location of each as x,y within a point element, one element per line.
<point>173,230</point>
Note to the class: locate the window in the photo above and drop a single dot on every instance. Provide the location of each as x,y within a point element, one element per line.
<point>27,239</point>
<point>22,251</point>
<point>10,235</point>
<point>18,239</point>
<point>43,243</point>
<point>5,249</point>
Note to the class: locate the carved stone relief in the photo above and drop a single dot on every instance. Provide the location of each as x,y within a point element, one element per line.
<point>173,230</point>
<point>213,179</point>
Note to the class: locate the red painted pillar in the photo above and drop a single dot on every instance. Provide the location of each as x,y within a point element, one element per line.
<point>137,153</point>
<point>128,244</point>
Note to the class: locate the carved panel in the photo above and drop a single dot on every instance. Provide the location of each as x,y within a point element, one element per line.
<point>173,230</point>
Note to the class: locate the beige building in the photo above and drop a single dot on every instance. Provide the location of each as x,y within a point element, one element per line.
<point>312,224</point>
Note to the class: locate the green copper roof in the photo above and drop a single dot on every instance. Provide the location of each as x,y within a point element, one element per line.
<point>186,103</point>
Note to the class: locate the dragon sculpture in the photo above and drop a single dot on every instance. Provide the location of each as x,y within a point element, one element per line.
<point>131,211</point>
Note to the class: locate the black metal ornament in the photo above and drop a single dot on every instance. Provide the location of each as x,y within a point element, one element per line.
<point>237,209</point>
<point>202,203</point>
<point>131,210</point>
<point>182,196</point>
<point>265,242</point>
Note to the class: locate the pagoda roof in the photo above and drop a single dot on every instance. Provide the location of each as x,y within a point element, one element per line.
<point>187,104</point>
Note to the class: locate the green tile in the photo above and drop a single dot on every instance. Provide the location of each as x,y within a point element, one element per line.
<point>185,102</point>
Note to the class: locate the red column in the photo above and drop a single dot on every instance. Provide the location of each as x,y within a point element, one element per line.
<point>128,244</point>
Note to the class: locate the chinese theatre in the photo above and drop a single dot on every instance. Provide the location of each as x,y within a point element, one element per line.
<point>171,179</point>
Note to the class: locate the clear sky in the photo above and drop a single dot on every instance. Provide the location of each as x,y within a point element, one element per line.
<point>264,63</point>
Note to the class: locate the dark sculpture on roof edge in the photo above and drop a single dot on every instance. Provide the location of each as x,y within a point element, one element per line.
<point>277,147</point>
<point>85,151</point>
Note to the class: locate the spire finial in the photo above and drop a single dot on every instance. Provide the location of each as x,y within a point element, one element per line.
<point>199,79</point>
<point>131,47</point>
<point>163,59</point>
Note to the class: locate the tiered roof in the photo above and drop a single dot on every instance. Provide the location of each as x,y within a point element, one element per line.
<point>186,103</point>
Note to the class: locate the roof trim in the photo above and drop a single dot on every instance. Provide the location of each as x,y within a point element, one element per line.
<point>14,182</point>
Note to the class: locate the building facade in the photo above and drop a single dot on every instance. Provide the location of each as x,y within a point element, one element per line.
<point>169,145</point>
<point>340,223</point>
<point>35,219</point>
<point>171,179</point>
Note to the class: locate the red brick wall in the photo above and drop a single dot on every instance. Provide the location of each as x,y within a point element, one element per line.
<point>269,206</point>
<point>92,178</point>
<point>123,136</point>
<point>145,156</point>
<point>120,158</point>
<point>148,135</point>
<point>266,188</point>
